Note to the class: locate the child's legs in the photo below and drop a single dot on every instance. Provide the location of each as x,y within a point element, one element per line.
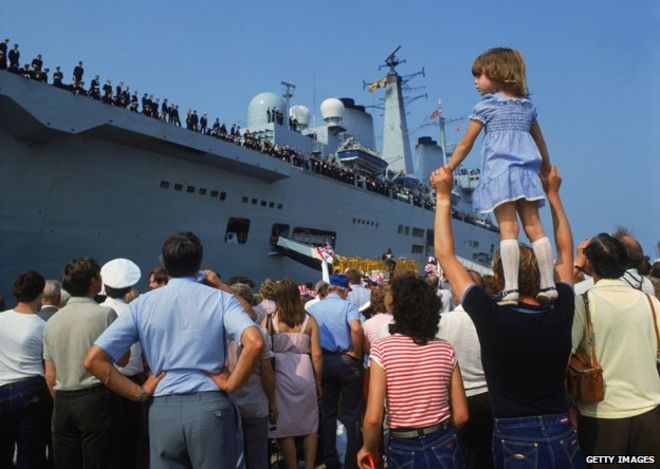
<point>529,214</point>
<point>531,221</point>
<point>509,251</point>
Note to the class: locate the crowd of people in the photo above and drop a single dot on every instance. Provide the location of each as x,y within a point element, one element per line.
<point>99,376</point>
<point>121,96</point>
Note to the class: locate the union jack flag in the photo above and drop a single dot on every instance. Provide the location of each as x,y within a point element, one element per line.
<point>326,253</point>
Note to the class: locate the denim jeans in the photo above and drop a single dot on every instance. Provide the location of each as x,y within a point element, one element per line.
<point>342,377</point>
<point>25,410</point>
<point>199,430</point>
<point>543,441</point>
<point>439,450</point>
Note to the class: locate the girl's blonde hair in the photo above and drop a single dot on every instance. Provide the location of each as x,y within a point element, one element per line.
<point>505,67</point>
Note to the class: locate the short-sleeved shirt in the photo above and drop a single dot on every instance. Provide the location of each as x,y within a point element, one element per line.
<point>68,337</point>
<point>181,327</point>
<point>21,346</point>
<point>524,351</point>
<point>417,377</point>
<point>333,316</point>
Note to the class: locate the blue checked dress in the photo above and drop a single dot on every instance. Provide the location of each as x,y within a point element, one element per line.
<point>511,161</point>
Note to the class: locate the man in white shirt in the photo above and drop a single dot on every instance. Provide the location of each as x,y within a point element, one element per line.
<point>457,328</point>
<point>358,295</point>
<point>119,276</point>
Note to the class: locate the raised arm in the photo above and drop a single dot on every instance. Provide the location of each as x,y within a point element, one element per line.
<point>537,135</point>
<point>561,226</point>
<point>454,271</point>
<point>465,145</point>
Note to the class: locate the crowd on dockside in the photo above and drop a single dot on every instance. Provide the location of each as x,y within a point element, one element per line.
<point>425,370</point>
<point>121,96</point>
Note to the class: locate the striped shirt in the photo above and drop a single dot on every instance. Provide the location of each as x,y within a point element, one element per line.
<point>417,379</point>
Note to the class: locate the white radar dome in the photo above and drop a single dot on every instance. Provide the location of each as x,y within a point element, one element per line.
<point>332,110</point>
<point>301,113</point>
<point>257,114</point>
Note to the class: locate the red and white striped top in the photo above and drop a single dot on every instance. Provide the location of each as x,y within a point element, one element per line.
<point>417,378</point>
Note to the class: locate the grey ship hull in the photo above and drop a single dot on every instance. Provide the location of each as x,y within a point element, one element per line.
<point>80,177</point>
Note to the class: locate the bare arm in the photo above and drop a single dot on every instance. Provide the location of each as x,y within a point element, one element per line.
<point>99,363</point>
<point>317,354</point>
<point>215,282</point>
<point>268,382</point>
<point>356,339</point>
<point>537,135</point>
<point>253,345</point>
<point>49,369</point>
<point>465,145</point>
<point>456,273</point>
<point>562,228</point>
<point>366,345</point>
<point>373,417</point>
<point>457,400</point>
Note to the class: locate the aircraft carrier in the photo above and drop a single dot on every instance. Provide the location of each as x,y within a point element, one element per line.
<point>81,177</point>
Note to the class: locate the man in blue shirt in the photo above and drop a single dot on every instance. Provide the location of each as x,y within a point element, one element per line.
<point>182,329</point>
<point>341,341</point>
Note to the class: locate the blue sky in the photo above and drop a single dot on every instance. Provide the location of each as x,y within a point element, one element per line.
<point>593,69</point>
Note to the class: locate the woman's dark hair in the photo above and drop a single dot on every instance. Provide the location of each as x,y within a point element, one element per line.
<point>28,286</point>
<point>116,292</point>
<point>289,307</point>
<point>79,274</point>
<point>607,255</point>
<point>182,255</point>
<point>160,275</point>
<point>416,309</point>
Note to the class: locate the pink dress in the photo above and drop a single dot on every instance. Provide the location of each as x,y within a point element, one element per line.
<point>295,390</point>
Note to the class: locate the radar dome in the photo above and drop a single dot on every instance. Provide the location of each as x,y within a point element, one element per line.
<point>258,106</point>
<point>300,113</point>
<point>332,110</point>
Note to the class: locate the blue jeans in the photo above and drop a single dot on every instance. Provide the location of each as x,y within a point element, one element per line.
<point>25,410</point>
<point>342,377</point>
<point>439,450</point>
<point>199,430</point>
<point>543,441</point>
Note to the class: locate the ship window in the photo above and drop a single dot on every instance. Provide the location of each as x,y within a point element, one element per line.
<point>164,185</point>
<point>190,189</point>
<point>407,230</point>
<point>279,206</point>
<point>417,249</point>
<point>278,229</point>
<point>271,204</point>
<point>418,232</point>
<point>244,200</point>
<point>400,229</point>
<point>178,187</point>
<point>263,203</point>
<point>202,191</point>
<point>254,201</point>
<point>354,221</point>
<point>214,193</point>
<point>223,195</point>
<point>314,236</point>
<point>237,230</point>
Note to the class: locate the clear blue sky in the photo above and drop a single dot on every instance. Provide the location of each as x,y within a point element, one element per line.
<point>593,69</point>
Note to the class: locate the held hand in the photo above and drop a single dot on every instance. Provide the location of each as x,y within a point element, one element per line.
<point>220,379</point>
<point>552,180</point>
<point>151,383</point>
<point>442,181</point>
<point>272,416</point>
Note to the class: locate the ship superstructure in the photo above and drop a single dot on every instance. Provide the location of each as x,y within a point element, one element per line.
<point>80,177</point>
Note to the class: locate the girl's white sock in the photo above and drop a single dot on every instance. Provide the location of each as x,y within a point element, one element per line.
<point>510,254</point>
<point>543,252</point>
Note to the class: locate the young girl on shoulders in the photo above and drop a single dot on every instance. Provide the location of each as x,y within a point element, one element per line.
<point>514,154</point>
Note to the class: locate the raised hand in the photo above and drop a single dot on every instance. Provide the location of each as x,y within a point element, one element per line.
<point>441,180</point>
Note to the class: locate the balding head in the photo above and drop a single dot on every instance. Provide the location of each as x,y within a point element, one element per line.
<point>633,248</point>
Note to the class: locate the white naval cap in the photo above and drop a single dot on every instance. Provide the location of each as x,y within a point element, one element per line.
<point>120,273</point>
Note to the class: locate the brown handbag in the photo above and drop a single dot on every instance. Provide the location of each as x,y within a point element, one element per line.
<point>584,377</point>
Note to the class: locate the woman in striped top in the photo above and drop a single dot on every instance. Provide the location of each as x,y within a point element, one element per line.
<point>419,378</point>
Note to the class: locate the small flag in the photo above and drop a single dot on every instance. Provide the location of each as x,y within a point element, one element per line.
<point>435,114</point>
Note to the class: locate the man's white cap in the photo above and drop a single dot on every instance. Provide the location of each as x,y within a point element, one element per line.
<point>120,273</point>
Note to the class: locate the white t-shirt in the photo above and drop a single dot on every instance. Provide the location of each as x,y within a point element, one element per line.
<point>21,346</point>
<point>375,325</point>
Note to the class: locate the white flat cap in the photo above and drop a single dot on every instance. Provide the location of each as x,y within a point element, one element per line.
<point>120,273</point>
